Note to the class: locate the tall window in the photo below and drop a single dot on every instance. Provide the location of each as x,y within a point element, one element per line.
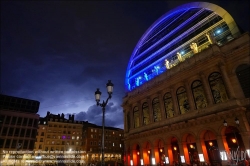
<point>218,88</point>
<point>199,95</point>
<point>243,74</point>
<point>182,100</point>
<point>136,117</point>
<point>168,104</point>
<point>145,111</point>
<point>156,109</point>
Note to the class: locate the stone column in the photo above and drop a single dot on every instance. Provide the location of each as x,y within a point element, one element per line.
<point>227,82</point>
<point>246,139</point>
<point>204,150</point>
<point>189,96</point>
<point>131,118</point>
<point>181,150</point>
<point>186,154</point>
<point>222,145</point>
<point>126,155</point>
<point>207,91</point>
<point>153,156</point>
<point>161,103</point>
<point>141,157</point>
<point>139,105</point>
<point>151,116</point>
<point>166,152</point>
<point>170,153</point>
<point>125,121</point>
<point>175,102</point>
<point>199,144</point>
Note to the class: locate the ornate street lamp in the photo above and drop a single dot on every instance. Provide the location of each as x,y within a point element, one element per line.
<point>109,86</point>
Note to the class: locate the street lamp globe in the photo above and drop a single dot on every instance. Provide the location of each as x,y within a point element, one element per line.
<point>110,86</point>
<point>98,95</point>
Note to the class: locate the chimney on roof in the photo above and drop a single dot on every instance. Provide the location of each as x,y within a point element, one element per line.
<point>48,113</point>
<point>73,117</point>
<point>69,117</point>
<point>62,115</point>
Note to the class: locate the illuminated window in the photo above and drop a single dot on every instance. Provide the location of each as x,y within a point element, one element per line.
<point>77,137</point>
<point>168,104</point>
<point>73,137</point>
<point>113,144</point>
<point>199,95</point>
<point>44,122</point>
<point>145,112</point>
<point>156,109</point>
<point>182,100</point>
<point>218,88</point>
<point>91,130</point>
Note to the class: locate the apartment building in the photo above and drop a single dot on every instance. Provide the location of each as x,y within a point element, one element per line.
<point>113,143</point>
<point>18,128</point>
<point>58,136</point>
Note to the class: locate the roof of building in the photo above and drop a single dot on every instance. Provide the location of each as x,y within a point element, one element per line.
<point>18,104</point>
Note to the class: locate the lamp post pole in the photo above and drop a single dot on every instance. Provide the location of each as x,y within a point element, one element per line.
<point>109,86</point>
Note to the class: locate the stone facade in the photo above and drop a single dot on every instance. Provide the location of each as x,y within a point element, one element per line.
<point>197,112</point>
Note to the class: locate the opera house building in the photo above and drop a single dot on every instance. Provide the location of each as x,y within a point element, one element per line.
<point>187,90</point>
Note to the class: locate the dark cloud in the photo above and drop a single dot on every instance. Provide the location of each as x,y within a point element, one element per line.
<point>113,115</point>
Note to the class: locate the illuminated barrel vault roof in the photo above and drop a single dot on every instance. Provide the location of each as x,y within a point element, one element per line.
<point>177,35</point>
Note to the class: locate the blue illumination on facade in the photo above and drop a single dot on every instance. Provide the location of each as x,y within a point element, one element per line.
<point>176,36</point>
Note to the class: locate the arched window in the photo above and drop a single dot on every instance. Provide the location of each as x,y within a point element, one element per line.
<point>168,104</point>
<point>145,112</point>
<point>156,109</point>
<point>199,95</point>
<point>243,74</point>
<point>182,100</point>
<point>217,87</point>
<point>136,117</point>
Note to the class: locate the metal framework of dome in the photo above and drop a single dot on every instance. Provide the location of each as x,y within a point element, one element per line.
<point>177,35</point>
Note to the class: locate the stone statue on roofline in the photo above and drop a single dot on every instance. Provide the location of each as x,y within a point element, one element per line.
<point>194,47</point>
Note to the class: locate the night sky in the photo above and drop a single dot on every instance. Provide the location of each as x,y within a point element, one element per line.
<point>60,52</point>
